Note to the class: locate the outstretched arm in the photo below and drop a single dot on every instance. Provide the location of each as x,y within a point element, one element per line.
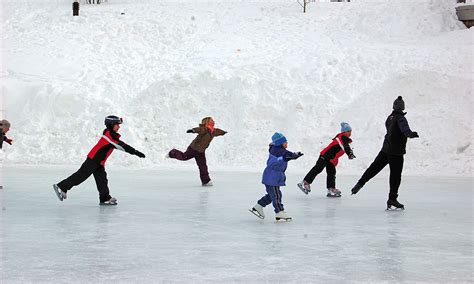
<point>198,130</point>
<point>347,147</point>
<point>219,132</point>
<point>292,155</point>
<point>405,128</point>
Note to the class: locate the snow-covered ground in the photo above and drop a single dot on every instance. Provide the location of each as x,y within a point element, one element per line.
<point>167,228</point>
<point>256,66</point>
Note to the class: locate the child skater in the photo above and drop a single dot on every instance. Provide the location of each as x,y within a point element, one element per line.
<point>197,149</point>
<point>274,177</point>
<point>95,163</point>
<point>4,128</point>
<point>329,158</point>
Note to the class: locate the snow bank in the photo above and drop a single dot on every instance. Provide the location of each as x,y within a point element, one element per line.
<point>256,67</point>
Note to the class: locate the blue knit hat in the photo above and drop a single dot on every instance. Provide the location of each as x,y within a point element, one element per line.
<point>345,127</point>
<point>278,139</point>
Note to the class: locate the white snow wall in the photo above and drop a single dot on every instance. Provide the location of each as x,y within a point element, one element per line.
<point>256,66</point>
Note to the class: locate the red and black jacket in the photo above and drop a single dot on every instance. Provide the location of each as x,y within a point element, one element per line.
<point>337,148</point>
<point>109,141</point>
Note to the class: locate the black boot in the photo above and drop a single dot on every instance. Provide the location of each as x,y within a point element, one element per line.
<point>394,203</point>
<point>356,188</point>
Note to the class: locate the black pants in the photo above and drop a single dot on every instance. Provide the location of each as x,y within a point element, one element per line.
<point>318,168</point>
<point>88,168</point>
<point>396,166</point>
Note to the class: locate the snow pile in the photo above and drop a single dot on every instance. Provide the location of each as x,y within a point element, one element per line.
<point>256,67</point>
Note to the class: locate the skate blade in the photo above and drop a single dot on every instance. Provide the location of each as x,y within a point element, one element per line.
<point>58,194</point>
<point>256,214</point>
<point>390,208</point>
<point>108,204</point>
<point>333,196</point>
<point>283,220</point>
<point>303,189</point>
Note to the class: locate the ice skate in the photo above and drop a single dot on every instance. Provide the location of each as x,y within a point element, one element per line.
<point>333,192</point>
<point>282,216</point>
<point>111,202</point>
<point>356,188</point>
<point>209,183</point>
<point>394,205</point>
<point>305,187</point>
<point>59,193</point>
<point>257,210</point>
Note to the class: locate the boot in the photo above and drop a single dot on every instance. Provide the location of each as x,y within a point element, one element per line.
<point>394,203</point>
<point>59,193</point>
<point>333,192</point>
<point>282,216</point>
<point>305,187</point>
<point>257,210</point>
<point>111,202</point>
<point>356,188</point>
<point>209,183</point>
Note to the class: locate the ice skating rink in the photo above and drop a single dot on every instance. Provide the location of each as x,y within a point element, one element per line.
<point>169,228</point>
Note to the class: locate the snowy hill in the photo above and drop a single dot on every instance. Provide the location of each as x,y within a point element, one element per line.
<point>256,66</point>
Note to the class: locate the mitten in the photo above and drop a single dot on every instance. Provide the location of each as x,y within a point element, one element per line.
<point>139,154</point>
<point>414,134</point>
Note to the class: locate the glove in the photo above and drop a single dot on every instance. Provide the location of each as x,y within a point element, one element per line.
<point>298,154</point>
<point>414,134</point>
<point>351,156</point>
<point>9,141</point>
<point>190,131</point>
<point>139,154</point>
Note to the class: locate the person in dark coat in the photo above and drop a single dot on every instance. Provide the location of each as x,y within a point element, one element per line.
<point>274,177</point>
<point>95,163</point>
<point>197,149</point>
<point>329,158</point>
<point>393,149</point>
<point>4,128</point>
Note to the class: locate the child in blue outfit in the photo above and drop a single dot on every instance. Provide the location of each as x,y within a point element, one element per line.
<point>274,177</point>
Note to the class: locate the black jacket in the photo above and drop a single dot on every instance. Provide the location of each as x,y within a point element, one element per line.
<point>397,132</point>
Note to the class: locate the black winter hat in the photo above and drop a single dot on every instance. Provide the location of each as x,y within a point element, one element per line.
<point>399,104</point>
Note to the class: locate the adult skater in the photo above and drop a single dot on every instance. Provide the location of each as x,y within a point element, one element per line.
<point>274,177</point>
<point>197,149</point>
<point>95,163</point>
<point>392,152</point>
<point>4,128</point>
<point>329,158</point>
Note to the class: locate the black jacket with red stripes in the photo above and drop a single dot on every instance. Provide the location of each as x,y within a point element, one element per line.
<point>337,148</point>
<point>109,141</point>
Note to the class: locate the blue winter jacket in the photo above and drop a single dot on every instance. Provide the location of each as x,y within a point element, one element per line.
<point>274,173</point>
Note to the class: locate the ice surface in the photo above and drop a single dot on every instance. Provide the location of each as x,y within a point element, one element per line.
<point>169,228</point>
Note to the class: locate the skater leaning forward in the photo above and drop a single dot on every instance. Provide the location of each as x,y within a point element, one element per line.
<point>197,149</point>
<point>329,158</point>
<point>95,163</point>
<point>393,149</point>
<point>274,177</point>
